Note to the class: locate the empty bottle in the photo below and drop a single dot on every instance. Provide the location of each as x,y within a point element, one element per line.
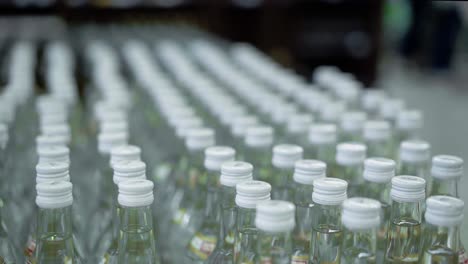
<point>349,165</point>
<point>378,138</point>
<point>305,172</point>
<point>297,129</point>
<point>327,232</point>
<point>248,195</point>
<point>351,126</point>
<point>258,151</point>
<point>446,173</point>
<point>284,158</point>
<point>361,221</point>
<point>136,244</point>
<point>275,221</point>
<point>441,238</point>
<point>322,143</point>
<point>232,173</point>
<point>404,233</point>
<point>415,156</point>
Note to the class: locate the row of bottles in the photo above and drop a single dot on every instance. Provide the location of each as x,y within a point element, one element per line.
<point>185,150</point>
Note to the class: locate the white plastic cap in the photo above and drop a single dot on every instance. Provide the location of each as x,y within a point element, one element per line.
<point>3,135</point>
<point>229,114</point>
<point>282,112</point>
<point>250,193</point>
<point>217,155</point>
<point>415,151</point>
<point>61,130</point>
<point>444,211</point>
<point>446,167</point>
<point>377,130</point>
<point>50,140</point>
<point>242,123</point>
<point>360,213</point>
<point>200,138</point>
<point>52,171</point>
<point>183,125</point>
<point>299,123</point>
<point>307,171</point>
<point>353,121</point>
<point>329,191</point>
<point>114,126</point>
<point>125,152</point>
<point>409,120</point>
<point>136,193</point>
<point>53,195</point>
<point>234,172</point>
<point>285,155</point>
<point>390,108</point>
<point>53,154</point>
<point>408,189</point>
<point>275,216</point>
<point>108,141</point>
<point>52,119</point>
<point>105,110</point>
<point>372,99</point>
<point>379,170</point>
<point>175,114</point>
<point>125,170</point>
<point>322,134</point>
<point>259,136</point>
<point>350,154</point>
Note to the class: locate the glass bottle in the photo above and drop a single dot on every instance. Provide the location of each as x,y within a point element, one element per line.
<point>232,173</point>
<point>371,100</point>
<point>351,126</point>
<point>331,111</point>
<point>136,244</point>
<point>349,165</point>
<point>361,220</point>
<point>390,108</point>
<point>284,158</point>
<point>275,222</point>
<point>441,238</point>
<point>446,172</point>
<point>297,129</point>
<point>322,144</point>
<point>415,157</point>
<point>378,138</point>
<point>258,151</point>
<point>239,128</point>
<point>203,242</point>
<point>404,234</point>
<point>327,232</point>
<point>54,224</point>
<point>305,172</point>
<point>248,195</point>
<point>408,125</point>
<point>378,173</point>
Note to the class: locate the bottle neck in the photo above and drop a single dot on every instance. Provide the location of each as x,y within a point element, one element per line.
<point>192,168</point>
<point>378,191</point>
<point>448,237</point>
<point>55,221</point>
<point>443,187</point>
<point>134,219</point>
<point>420,169</point>
<point>303,195</point>
<point>351,173</point>
<point>228,218</point>
<point>407,212</point>
<point>327,217</point>
<point>363,240</point>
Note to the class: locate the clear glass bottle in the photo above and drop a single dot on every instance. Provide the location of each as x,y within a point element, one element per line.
<point>297,129</point>
<point>331,111</point>
<point>390,108</point>
<point>239,128</point>
<point>349,165</point>
<point>305,172</point>
<point>275,222</point>
<point>248,195</point>
<point>258,151</point>
<point>54,224</point>
<point>441,238</point>
<point>327,232</point>
<point>446,172</point>
<point>378,138</point>
<point>204,241</point>
<point>378,174</point>
<point>232,173</point>
<point>322,144</point>
<point>361,221</point>
<point>408,125</point>
<point>7,251</point>
<point>404,233</point>
<point>284,158</point>
<point>351,126</point>
<point>415,158</point>
<point>136,244</point>
<point>371,100</point>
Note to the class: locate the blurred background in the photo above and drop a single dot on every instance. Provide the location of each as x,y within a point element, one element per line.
<point>414,49</point>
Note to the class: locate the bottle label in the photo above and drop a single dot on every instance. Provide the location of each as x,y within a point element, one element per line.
<point>202,245</point>
<point>266,260</point>
<point>30,247</point>
<point>179,216</point>
<point>462,257</point>
<point>300,259</point>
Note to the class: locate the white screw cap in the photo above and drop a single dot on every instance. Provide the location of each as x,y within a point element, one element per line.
<point>217,155</point>
<point>234,172</point>
<point>136,193</point>
<point>259,136</point>
<point>125,170</point>
<point>183,125</point>
<point>50,140</point>
<point>52,171</point>
<point>54,154</point>
<point>444,211</point>
<point>200,138</point>
<point>377,130</point>
<point>125,152</point>
<point>446,167</point>
<point>408,189</point>
<point>275,216</point>
<point>390,108</point>
<point>415,151</point>
<point>329,191</point>
<point>250,193</point>
<point>360,213</point>
<point>55,194</point>
<point>285,155</point>
<point>350,154</point>
<point>409,120</point>
<point>108,141</point>
<point>379,170</point>
<point>307,171</point>
<point>322,134</point>
<point>299,123</point>
<point>353,121</point>
<point>242,123</point>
